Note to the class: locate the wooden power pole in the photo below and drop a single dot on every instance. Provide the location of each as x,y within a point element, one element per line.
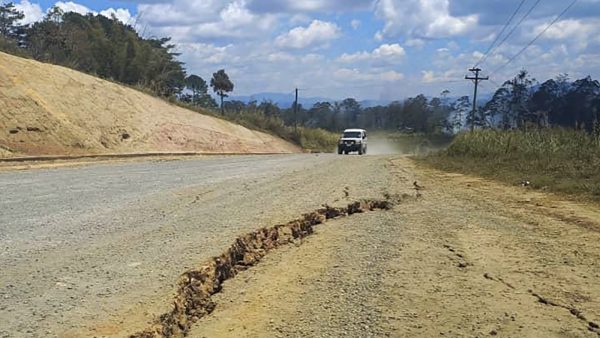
<point>296,112</point>
<point>476,80</point>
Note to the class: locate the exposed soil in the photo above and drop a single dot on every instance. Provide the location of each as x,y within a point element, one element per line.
<point>196,287</point>
<point>469,258</point>
<point>52,110</point>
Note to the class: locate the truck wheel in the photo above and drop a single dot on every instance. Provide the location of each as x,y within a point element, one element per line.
<point>339,151</point>
<point>360,151</point>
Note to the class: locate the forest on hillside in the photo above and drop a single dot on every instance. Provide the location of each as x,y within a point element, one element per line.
<point>96,45</point>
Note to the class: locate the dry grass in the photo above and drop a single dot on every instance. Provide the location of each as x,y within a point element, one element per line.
<point>557,160</point>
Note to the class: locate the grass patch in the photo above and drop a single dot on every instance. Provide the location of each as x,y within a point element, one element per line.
<point>558,160</point>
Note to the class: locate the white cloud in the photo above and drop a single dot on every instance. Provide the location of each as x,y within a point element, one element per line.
<point>122,14</point>
<point>391,53</point>
<point>209,54</point>
<point>318,33</point>
<point>430,76</point>
<point>416,43</point>
<point>421,19</point>
<point>70,6</point>
<point>355,24</point>
<point>33,12</point>
<point>295,6</point>
<point>191,21</point>
<point>280,57</point>
<point>576,32</point>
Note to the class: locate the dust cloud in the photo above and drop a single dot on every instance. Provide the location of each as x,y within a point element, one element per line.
<point>402,145</point>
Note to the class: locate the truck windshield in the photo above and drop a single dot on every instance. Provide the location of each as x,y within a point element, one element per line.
<point>352,134</point>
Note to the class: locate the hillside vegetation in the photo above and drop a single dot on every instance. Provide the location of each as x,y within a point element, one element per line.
<point>558,160</point>
<point>52,110</point>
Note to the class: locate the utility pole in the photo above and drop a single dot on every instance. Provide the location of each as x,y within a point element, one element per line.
<point>296,112</point>
<point>476,79</point>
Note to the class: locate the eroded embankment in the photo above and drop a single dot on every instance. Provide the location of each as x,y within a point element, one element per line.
<point>195,287</point>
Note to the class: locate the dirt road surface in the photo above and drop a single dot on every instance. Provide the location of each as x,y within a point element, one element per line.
<point>95,251</point>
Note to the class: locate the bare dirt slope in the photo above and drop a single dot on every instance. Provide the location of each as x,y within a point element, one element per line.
<point>52,110</point>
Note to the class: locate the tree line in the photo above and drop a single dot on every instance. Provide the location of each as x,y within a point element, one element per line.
<point>107,48</point>
<point>521,102</point>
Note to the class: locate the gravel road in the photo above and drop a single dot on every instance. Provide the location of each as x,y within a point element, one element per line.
<point>95,250</point>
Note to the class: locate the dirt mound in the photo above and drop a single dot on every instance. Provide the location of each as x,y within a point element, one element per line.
<point>51,110</point>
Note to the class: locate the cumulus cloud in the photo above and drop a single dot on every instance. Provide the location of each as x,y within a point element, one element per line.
<point>121,14</point>
<point>70,6</point>
<point>576,32</point>
<point>389,53</point>
<point>318,33</point>
<point>188,21</point>
<point>33,12</point>
<point>290,6</point>
<point>421,19</point>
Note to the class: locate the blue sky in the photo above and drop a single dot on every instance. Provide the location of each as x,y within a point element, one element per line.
<point>368,49</point>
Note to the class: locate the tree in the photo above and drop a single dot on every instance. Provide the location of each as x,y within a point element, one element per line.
<point>269,109</point>
<point>520,91</point>
<point>350,109</point>
<point>221,85</point>
<point>458,116</point>
<point>9,16</point>
<point>106,48</point>
<point>199,88</point>
<point>320,115</point>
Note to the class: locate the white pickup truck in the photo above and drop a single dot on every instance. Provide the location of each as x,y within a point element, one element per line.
<point>353,140</point>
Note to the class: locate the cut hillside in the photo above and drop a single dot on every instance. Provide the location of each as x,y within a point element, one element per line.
<point>52,110</point>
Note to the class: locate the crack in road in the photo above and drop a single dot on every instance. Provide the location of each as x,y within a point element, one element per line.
<point>195,287</point>
<point>592,326</point>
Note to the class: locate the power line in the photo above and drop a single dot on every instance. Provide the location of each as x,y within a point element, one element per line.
<point>506,24</point>
<point>537,37</point>
<point>513,29</point>
<point>495,83</point>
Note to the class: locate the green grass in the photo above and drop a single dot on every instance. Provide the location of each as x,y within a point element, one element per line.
<point>558,160</point>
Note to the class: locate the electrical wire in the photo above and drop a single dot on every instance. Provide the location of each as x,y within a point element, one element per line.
<point>513,29</point>
<point>506,24</point>
<point>537,37</point>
